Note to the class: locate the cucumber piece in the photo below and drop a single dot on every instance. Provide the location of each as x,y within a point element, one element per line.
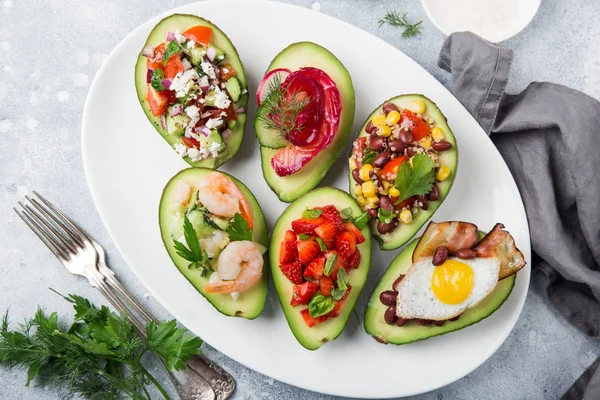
<point>214,137</point>
<point>218,223</point>
<point>203,229</point>
<point>176,125</point>
<point>231,123</point>
<point>172,48</point>
<point>219,55</point>
<point>197,54</point>
<point>193,202</point>
<point>233,87</point>
<point>269,138</point>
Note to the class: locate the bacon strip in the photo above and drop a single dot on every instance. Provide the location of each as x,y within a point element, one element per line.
<point>499,243</point>
<point>455,235</point>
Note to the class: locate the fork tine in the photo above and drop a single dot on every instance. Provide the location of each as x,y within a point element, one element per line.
<point>53,216</point>
<point>57,251</point>
<point>65,218</point>
<point>65,242</point>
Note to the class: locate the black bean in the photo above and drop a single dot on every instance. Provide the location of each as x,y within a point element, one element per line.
<point>396,146</point>
<point>381,159</point>
<point>422,202</point>
<point>406,137</point>
<point>386,203</point>
<point>434,194</point>
<point>388,107</point>
<point>411,151</point>
<point>370,127</point>
<point>388,297</point>
<point>386,228</point>
<point>372,212</point>
<point>397,282</point>
<point>440,255</point>
<point>442,145</point>
<point>465,254</point>
<point>390,315</point>
<point>439,323</point>
<point>378,143</point>
<point>401,321</point>
<point>356,176</point>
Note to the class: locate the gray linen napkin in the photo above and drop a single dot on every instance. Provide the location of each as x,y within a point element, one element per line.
<point>549,135</point>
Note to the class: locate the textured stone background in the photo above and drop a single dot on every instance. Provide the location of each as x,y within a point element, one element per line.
<point>49,53</point>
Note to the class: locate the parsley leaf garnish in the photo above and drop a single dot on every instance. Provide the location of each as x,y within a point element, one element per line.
<point>171,343</point>
<point>415,180</point>
<point>192,252</point>
<point>238,229</point>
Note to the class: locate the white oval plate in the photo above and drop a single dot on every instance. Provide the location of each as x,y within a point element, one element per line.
<point>127,164</point>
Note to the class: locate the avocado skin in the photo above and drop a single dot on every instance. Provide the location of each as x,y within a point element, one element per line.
<point>293,57</point>
<point>405,232</point>
<point>376,326</point>
<point>250,303</point>
<point>182,22</point>
<point>315,337</point>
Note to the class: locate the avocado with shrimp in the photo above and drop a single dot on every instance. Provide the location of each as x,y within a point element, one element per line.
<point>214,231</point>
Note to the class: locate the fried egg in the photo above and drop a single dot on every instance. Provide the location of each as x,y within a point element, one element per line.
<point>443,292</point>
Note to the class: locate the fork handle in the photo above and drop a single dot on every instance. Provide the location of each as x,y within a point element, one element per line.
<point>220,380</point>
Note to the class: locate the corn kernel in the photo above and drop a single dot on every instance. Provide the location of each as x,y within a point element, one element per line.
<point>363,173</point>
<point>352,163</point>
<point>406,216</point>
<point>358,190</point>
<point>384,131</point>
<point>362,200</point>
<point>372,202</point>
<point>394,192</point>
<point>392,118</point>
<point>416,106</point>
<point>438,134</point>
<point>387,185</point>
<point>368,189</point>
<point>425,142</point>
<point>443,173</point>
<point>378,120</point>
<point>410,161</point>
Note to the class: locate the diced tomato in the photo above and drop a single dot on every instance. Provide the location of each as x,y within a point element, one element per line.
<point>173,66</point>
<point>310,321</point>
<point>292,271</point>
<point>345,244</point>
<point>307,226</point>
<point>327,231</point>
<point>330,213</point>
<point>158,101</point>
<point>199,34</point>
<point>230,111</point>
<point>303,292</point>
<point>190,142</point>
<point>358,236</point>
<point>390,169</point>
<point>404,203</point>
<point>354,260</point>
<point>227,71</point>
<point>325,285</point>
<point>314,269</point>
<point>419,129</point>
<point>155,62</point>
<point>307,250</point>
<point>288,251</point>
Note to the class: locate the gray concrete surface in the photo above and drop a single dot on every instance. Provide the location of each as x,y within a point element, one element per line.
<point>49,53</point>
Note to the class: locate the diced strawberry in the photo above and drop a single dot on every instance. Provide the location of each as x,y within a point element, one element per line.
<point>307,250</point>
<point>345,244</point>
<point>293,271</point>
<point>310,321</point>
<point>288,251</point>
<point>306,225</point>
<point>314,269</point>
<point>327,231</point>
<point>350,227</point>
<point>303,293</point>
<point>326,284</point>
<point>354,260</point>
<point>331,213</point>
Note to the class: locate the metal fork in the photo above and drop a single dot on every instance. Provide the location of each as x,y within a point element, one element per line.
<point>82,255</point>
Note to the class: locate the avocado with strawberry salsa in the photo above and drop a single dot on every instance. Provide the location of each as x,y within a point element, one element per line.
<point>320,254</point>
<point>192,86</point>
<point>402,167</point>
<point>305,114</point>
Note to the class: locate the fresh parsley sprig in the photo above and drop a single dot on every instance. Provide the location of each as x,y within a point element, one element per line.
<point>394,18</point>
<point>192,252</point>
<point>417,179</point>
<point>238,229</point>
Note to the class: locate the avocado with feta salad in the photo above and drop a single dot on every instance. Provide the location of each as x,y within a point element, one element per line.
<point>214,235</point>
<point>192,87</point>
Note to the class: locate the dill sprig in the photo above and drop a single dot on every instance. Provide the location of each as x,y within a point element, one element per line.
<point>394,18</point>
<point>281,108</point>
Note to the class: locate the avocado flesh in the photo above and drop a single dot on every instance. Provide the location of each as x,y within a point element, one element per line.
<point>180,23</point>
<point>376,326</point>
<point>315,337</point>
<point>251,302</point>
<point>308,54</point>
<point>404,232</point>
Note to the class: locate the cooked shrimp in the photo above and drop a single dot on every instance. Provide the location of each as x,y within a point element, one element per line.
<point>182,193</point>
<point>222,197</point>
<point>239,267</point>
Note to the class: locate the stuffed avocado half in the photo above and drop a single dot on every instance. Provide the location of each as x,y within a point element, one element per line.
<point>192,87</point>
<point>411,302</point>
<point>214,231</point>
<point>305,115</point>
<point>320,253</point>
<point>402,167</point>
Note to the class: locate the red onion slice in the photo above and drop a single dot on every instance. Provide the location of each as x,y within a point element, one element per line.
<point>240,110</point>
<point>163,122</point>
<point>177,109</point>
<point>211,53</point>
<point>226,134</point>
<point>170,37</point>
<point>205,131</point>
<point>166,83</point>
<point>149,76</point>
<point>148,51</point>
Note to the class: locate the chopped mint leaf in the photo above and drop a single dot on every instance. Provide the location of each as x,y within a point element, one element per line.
<point>320,305</point>
<point>311,213</point>
<point>329,264</point>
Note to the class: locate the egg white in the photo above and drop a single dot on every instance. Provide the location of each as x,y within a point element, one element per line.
<point>417,300</point>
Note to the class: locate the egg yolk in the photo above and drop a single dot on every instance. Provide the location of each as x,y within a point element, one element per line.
<point>452,282</point>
